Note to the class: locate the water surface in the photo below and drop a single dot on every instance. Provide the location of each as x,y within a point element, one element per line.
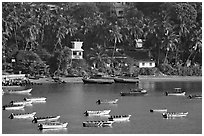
<point>71,100</point>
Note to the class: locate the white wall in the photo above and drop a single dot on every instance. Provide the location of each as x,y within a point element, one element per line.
<point>146,64</point>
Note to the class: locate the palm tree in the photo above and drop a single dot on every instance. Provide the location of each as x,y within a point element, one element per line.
<point>98,56</point>
<point>115,35</point>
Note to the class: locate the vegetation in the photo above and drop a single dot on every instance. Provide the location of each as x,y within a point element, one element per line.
<point>38,36</point>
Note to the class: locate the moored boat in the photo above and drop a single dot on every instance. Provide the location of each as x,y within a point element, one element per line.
<point>126,80</point>
<point>100,123</point>
<point>52,125</point>
<point>174,114</point>
<point>97,81</point>
<point>134,92</point>
<point>22,115</point>
<point>13,107</point>
<point>119,118</point>
<point>195,96</point>
<point>176,92</point>
<point>107,101</point>
<point>158,110</point>
<point>45,119</point>
<point>19,91</point>
<point>36,99</point>
<point>21,102</point>
<point>97,113</point>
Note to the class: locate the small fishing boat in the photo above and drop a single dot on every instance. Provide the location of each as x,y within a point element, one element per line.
<point>36,99</point>
<point>19,91</point>
<point>97,113</point>
<point>126,80</point>
<point>158,110</point>
<point>13,107</point>
<point>195,96</point>
<point>22,115</point>
<point>176,92</point>
<point>45,119</point>
<point>100,123</point>
<point>119,118</point>
<point>52,125</point>
<point>21,102</point>
<point>97,81</point>
<point>134,92</point>
<point>107,101</point>
<point>174,114</point>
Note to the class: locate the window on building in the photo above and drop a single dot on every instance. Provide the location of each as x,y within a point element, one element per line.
<point>120,12</point>
<point>74,53</point>
<point>79,53</point>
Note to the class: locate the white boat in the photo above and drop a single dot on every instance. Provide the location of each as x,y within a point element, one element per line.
<point>13,107</point>
<point>22,115</point>
<point>158,110</point>
<point>21,102</point>
<point>36,99</point>
<point>99,113</point>
<point>177,92</point>
<point>107,101</point>
<point>119,118</point>
<point>100,123</point>
<point>26,91</point>
<point>52,125</point>
<point>195,96</point>
<point>45,119</point>
<point>174,114</point>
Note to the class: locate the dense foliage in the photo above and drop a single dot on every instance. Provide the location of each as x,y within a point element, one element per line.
<point>44,31</point>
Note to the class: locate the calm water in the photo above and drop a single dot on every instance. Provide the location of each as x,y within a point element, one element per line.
<point>71,100</point>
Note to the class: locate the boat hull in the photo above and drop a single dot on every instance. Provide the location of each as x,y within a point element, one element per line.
<point>175,115</point>
<point>22,116</point>
<point>37,99</point>
<point>13,107</point>
<point>176,94</point>
<point>119,118</point>
<point>45,119</point>
<point>53,125</point>
<point>158,110</point>
<point>132,93</point>
<point>107,102</point>
<point>98,81</point>
<point>97,113</point>
<point>126,80</point>
<point>97,124</point>
<point>20,91</point>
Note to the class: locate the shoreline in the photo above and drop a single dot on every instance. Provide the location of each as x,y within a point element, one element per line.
<point>142,78</point>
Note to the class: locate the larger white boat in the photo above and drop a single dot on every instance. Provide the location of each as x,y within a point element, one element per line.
<point>99,113</point>
<point>119,118</point>
<point>100,123</point>
<point>174,114</point>
<point>36,99</point>
<point>176,92</point>
<point>26,91</point>
<point>45,119</point>
<point>52,125</point>
<point>13,107</point>
<point>22,115</point>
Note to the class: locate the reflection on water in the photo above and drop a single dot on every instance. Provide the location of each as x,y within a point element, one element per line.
<point>70,101</point>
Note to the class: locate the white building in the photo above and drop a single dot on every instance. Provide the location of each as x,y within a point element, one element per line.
<point>146,64</point>
<point>77,51</point>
